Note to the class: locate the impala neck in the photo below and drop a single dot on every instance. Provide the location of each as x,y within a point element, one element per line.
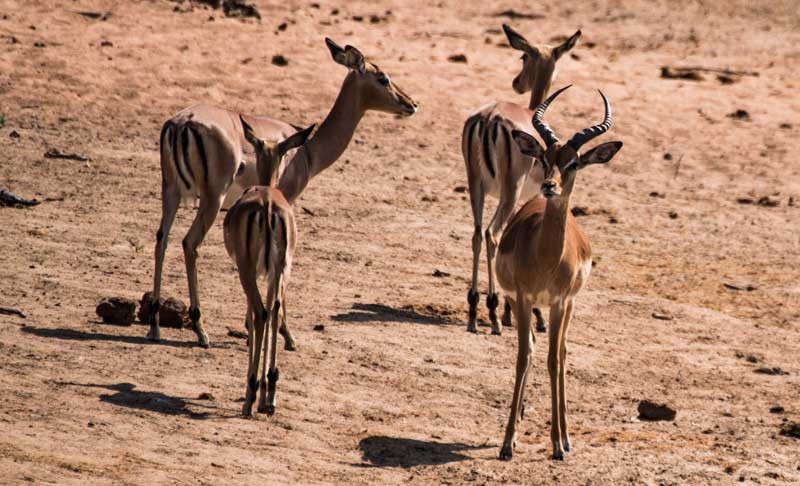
<point>540,88</point>
<point>327,144</point>
<point>550,246</point>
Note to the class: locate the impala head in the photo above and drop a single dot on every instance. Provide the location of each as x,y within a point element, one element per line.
<point>538,62</point>
<point>378,92</point>
<point>562,161</point>
<point>270,154</point>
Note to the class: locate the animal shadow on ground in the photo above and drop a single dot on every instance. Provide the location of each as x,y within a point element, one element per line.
<point>78,335</point>
<point>428,314</point>
<point>127,396</point>
<point>382,451</point>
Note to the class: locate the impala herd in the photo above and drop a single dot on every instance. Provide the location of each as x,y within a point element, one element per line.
<point>542,258</point>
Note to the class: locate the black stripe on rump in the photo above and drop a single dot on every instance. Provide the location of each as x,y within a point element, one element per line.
<point>487,151</point>
<point>186,163</point>
<point>173,148</point>
<point>251,215</point>
<point>202,149</point>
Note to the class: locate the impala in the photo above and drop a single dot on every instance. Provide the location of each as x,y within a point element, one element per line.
<point>260,235</point>
<point>545,260</point>
<point>496,167</point>
<point>202,159</point>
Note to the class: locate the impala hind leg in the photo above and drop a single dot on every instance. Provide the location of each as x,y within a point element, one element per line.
<point>476,196</point>
<point>170,200</point>
<point>289,343</point>
<point>504,210</point>
<point>206,214</point>
<point>255,333</point>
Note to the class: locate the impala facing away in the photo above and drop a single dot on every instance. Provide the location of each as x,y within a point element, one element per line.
<point>496,167</point>
<point>260,236</point>
<point>545,259</point>
<point>202,158</point>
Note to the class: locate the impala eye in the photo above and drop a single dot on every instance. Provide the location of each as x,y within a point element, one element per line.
<point>383,80</point>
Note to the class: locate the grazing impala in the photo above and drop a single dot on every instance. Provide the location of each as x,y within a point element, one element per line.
<point>260,236</point>
<point>496,167</point>
<point>201,158</point>
<point>545,259</point>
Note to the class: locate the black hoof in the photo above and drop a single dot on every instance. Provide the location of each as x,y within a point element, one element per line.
<point>558,456</point>
<point>270,410</point>
<point>506,453</point>
<point>541,328</point>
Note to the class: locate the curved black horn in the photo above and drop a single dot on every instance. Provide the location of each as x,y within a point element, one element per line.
<point>547,134</point>
<point>584,136</point>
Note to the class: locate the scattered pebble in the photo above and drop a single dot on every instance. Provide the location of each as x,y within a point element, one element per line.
<point>791,429</point>
<point>283,26</point>
<point>439,273</point>
<point>774,371</point>
<point>117,310</point>
<point>279,60</point>
<point>776,409</point>
<point>458,58</point>
<point>319,327</point>
<point>747,287</point>
<point>652,411</point>
<point>673,215</point>
<point>667,156</point>
<point>657,194</point>
<point>739,115</point>
<point>205,396</point>
<point>662,317</point>
<point>460,189</point>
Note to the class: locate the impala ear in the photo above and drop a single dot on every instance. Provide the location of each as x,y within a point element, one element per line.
<point>349,57</point>
<point>250,134</point>
<point>567,45</point>
<point>295,140</point>
<point>516,40</point>
<point>601,154</point>
<point>527,144</point>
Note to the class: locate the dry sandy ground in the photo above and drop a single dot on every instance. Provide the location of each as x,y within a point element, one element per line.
<point>394,390</point>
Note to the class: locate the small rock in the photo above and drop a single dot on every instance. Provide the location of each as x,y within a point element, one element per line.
<point>40,45</point>
<point>747,287</point>
<point>117,310</point>
<point>171,313</point>
<point>458,58</point>
<point>768,202</point>
<point>667,156</point>
<point>786,126</point>
<point>673,215</point>
<point>283,26</point>
<point>106,43</point>
<point>651,411</point>
<point>460,189</point>
<point>578,211</point>
<point>279,60</point>
<point>657,194</point>
<point>662,317</point>
<point>739,115</point>
<point>776,409</point>
<point>774,371</point>
<point>747,357</point>
<point>439,273</point>
<point>205,396</point>
<point>335,11</point>
<point>791,429</point>
<point>725,79</point>
<point>358,18</point>
<point>319,327</point>
<point>235,333</point>
<point>374,19</point>
<point>90,424</point>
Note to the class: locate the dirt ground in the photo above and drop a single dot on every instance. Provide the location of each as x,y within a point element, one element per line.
<point>394,390</point>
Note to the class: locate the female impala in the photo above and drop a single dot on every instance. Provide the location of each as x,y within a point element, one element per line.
<point>202,158</point>
<point>260,236</point>
<point>496,167</point>
<point>545,259</point>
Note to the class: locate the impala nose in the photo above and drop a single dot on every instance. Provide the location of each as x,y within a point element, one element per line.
<point>550,188</point>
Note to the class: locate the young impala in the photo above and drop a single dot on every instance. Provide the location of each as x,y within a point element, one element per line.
<point>545,259</point>
<point>260,236</point>
<point>202,158</point>
<point>496,167</point>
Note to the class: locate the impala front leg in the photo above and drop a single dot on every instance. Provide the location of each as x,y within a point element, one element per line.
<point>524,354</point>
<point>170,200</point>
<point>557,313</point>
